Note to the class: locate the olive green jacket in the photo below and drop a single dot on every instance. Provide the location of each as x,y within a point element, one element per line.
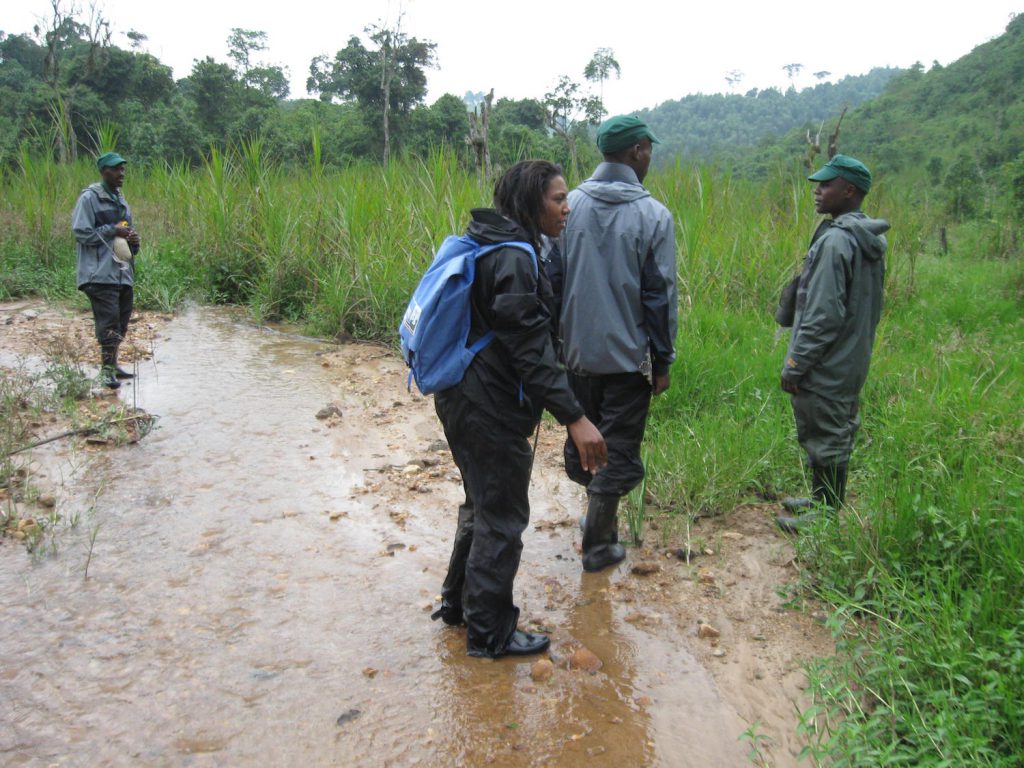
<point>838,305</point>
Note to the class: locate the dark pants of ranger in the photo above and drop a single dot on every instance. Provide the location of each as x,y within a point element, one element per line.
<point>825,429</point>
<point>617,404</point>
<point>111,310</point>
<point>495,463</point>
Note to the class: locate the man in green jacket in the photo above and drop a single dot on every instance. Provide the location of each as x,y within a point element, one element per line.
<point>838,305</point>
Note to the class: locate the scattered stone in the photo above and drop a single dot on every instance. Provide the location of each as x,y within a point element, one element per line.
<point>707,632</point>
<point>732,535</point>
<point>370,672</point>
<point>707,577</point>
<point>30,314</point>
<point>428,606</point>
<point>820,616</point>
<point>336,516</point>
<point>542,671</point>
<point>395,547</point>
<point>438,446</point>
<point>411,469</point>
<point>550,525</point>
<point>642,701</point>
<point>595,751</point>
<point>329,410</point>
<point>685,553</point>
<point>348,717</point>
<point>48,500</point>
<point>585,659</point>
<point>645,568</point>
<point>718,653</point>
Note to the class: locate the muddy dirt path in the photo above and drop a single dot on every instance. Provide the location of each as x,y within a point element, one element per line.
<point>260,583</point>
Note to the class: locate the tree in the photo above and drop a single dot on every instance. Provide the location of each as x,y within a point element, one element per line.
<point>792,70</point>
<point>270,80</point>
<point>386,82</point>
<point>821,75</point>
<point>214,89</point>
<point>242,43</point>
<point>136,39</point>
<point>569,112</point>
<point>733,77</point>
<point>600,67</point>
<point>64,39</point>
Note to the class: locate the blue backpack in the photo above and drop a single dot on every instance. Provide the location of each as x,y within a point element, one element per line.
<point>435,326</point>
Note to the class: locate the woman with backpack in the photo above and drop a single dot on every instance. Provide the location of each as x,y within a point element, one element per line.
<point>489,416</point>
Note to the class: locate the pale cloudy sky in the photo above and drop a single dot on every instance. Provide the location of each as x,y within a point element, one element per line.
<point>666,48</point>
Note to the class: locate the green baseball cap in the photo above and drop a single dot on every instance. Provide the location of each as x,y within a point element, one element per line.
<point>109,160</point>
<point>846,167</point>
<point>617,133</point>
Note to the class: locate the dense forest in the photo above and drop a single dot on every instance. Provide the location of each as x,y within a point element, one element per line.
<point>66,88</point>
<point>728,125</point>
<point>956,132</point>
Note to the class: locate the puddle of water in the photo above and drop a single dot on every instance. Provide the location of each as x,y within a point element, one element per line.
<point>228,621</point>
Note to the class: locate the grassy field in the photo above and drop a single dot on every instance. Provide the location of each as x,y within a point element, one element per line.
<point>925,570</point>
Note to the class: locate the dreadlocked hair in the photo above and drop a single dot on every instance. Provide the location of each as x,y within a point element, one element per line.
<point>519,194</point>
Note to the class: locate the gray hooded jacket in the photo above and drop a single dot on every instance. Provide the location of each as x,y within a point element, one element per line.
<point>96,216</point>
<point>838,305</point>
<point>619,300</point>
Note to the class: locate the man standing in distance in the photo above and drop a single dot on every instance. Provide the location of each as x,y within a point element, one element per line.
<point>619,311</point>
<point>105,268</point>
<point>838,305</point>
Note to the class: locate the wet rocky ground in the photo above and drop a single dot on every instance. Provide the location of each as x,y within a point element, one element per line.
<point>251,584</point>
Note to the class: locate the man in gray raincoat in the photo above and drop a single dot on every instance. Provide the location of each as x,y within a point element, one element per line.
<point>838,305</point>
<point>618,320</point>
<point>107,277</point>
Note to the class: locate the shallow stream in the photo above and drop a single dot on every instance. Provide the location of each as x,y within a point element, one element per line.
<point>255,597</point>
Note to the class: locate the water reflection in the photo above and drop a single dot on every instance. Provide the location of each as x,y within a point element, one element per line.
<point>248,606</point>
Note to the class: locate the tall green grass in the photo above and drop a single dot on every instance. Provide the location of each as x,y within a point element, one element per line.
<point>924,567</point>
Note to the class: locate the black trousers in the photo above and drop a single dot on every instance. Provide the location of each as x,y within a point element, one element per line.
<point>618,405</point>
<point>111,310</point>
<point>495,462</point>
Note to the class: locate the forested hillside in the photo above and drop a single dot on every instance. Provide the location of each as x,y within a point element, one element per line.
<point>728,125</point>
<point>955,131</point>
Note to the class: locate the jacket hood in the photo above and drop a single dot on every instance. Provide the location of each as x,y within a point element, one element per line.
<point>869,233</point>
<point>614,183</point>
<point>488,227</point>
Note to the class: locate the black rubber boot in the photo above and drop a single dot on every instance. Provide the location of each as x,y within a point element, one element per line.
<point>108,367</point>
<point>828,484</point>
<point>119,372</point>
<point>601,546</point>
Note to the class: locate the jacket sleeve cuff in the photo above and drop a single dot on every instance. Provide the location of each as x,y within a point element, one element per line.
<point>567,417</point>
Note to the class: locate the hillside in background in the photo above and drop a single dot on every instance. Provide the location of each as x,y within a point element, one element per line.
<point>959,128</point>
<point>727,125</point>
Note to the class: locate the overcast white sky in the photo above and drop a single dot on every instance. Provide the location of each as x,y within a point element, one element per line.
<point>666,48</point>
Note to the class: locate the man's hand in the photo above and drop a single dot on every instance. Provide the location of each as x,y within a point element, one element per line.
<point>133,238</point>
<point>790,386</point>
<point>590,444</point>
<point>661,383</point>
<point>122,231</point>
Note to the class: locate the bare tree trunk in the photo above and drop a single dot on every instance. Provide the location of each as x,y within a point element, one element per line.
<point>385,85</point>
<point>478,136</point>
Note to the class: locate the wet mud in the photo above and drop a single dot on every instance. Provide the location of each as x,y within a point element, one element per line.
<point>261,571</point>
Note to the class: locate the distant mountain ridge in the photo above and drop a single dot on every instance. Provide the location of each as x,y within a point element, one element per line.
<point>699,126</point>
